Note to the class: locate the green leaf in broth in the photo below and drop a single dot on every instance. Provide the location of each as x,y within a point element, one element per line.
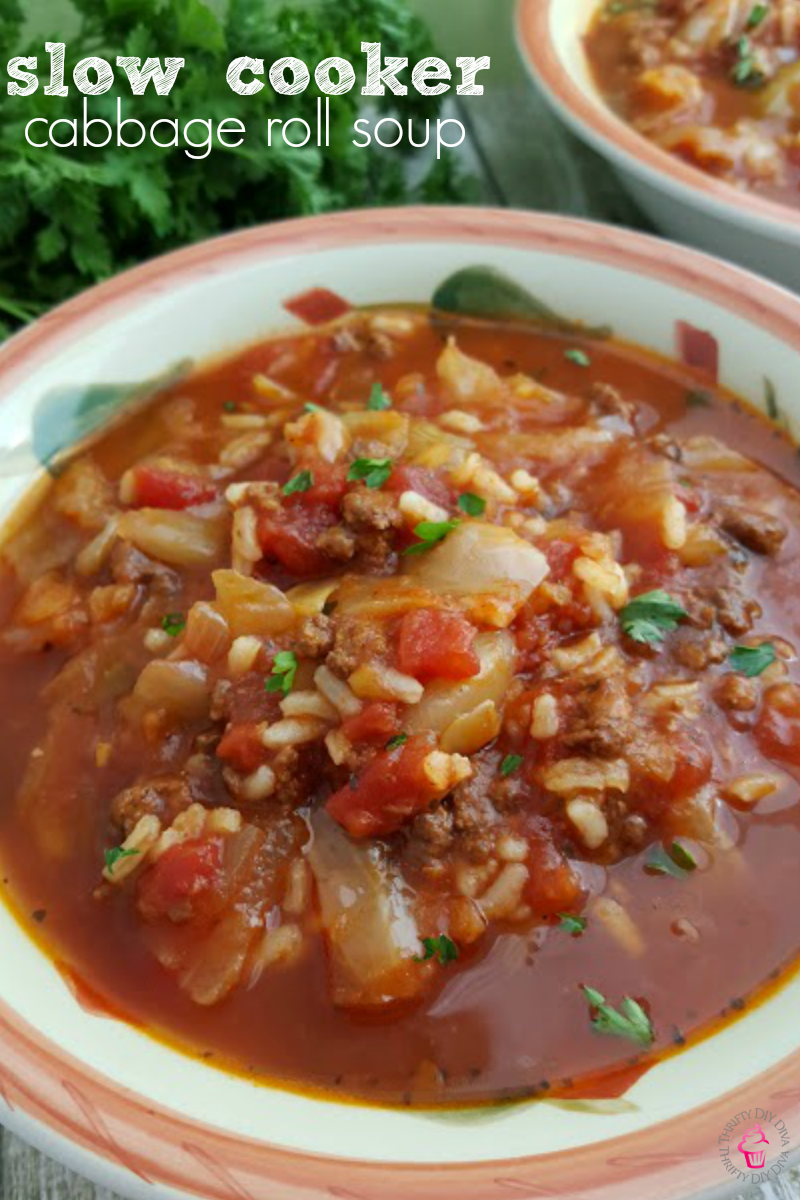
<point>771,400</point>
<point>68,418</point>
<point>488,293</point>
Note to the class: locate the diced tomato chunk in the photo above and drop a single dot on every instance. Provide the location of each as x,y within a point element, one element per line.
<point>392,788</point>
<point>290,535</point>
<point>698,348</point>
<point>375,723</point>
<point>329,484</point>
<point>317,306</point>
<point>179,878</point>
<point>693,766</point>
<point>423,481</point>
<point>290,538</point>
<point>241,746</point>
<point>778,727</point>
<point>159,487</point>
<point>561,555</point>
<point>553,886</point>
<point>435,644</point>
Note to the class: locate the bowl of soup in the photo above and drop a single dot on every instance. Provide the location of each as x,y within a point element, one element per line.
<point>401,716</point>
<point>695,105</point>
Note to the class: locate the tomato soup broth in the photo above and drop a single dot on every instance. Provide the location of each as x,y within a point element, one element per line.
<point>405,710</point>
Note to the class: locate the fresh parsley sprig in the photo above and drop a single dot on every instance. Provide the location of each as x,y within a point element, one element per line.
<point>173,624</point>
<point>284,669</point>
<point>115,855</point>
<point>758,13</point>
<point>628,1021</point>
<point>302,482</point>
<point>378,400</point>
<point>650,617</point>
<point>442,948</point>
<point>677,861</point>
<point>752,660</point>
<point>472,505</point>
<point>745,72</point>
<point>73,217</point>
<point>374,472</point>
<point>510,764</point>
<point>431,533</point>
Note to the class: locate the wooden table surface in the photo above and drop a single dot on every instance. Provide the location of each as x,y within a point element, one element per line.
<point>525,159</point>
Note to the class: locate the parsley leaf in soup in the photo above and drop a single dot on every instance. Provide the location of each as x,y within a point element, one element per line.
<point>571,924</point>
<point>649,617</point>
<point>472,505</point>
<point>112,857</point>
<point>510,764</point>
<point>300,483</point>
<point>752,660</point>
<point>284,669</point>
<point>745,72</point>
<point>311,407</point>
<point>676,861</point>
<point>173,624</point>
<point>628,1021</point>
<point>378,400</point>
<point>430,534</point>
<point>579,357</point>
<point>374,472</point>
<point>758,13</point>
<point>398,740</point>
<point>441,948</point>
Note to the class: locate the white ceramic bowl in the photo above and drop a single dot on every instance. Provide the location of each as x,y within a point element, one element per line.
<point>683,201</point>
<point>147,1121</point>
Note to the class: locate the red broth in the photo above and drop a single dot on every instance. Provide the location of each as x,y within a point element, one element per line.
<point>497,1009</point>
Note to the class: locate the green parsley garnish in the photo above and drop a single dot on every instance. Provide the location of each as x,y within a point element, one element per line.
<point>372,471</point>
<point>114,856</point>
<point>510,764</point>
<point>399,739</point>
<point>628,1021</point>
<point>758,13</point>
<point>472,505</point>
<point>284,669</point>
<point>697,398</point>
<point>173,624</point>
<point>752,660</point>
<point>431,533</point>
<point>301,483</point>
<point>311,407</point>
<point>745,73</point>
<point>579,357</point>
<point>572,925</point>
<point>230,405</point>
<point>441,948</point>
<point>77,219</point>
<point>771,399</point>
<point>647,618</point>
<point>378,400</point>
<point>677,861</point>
